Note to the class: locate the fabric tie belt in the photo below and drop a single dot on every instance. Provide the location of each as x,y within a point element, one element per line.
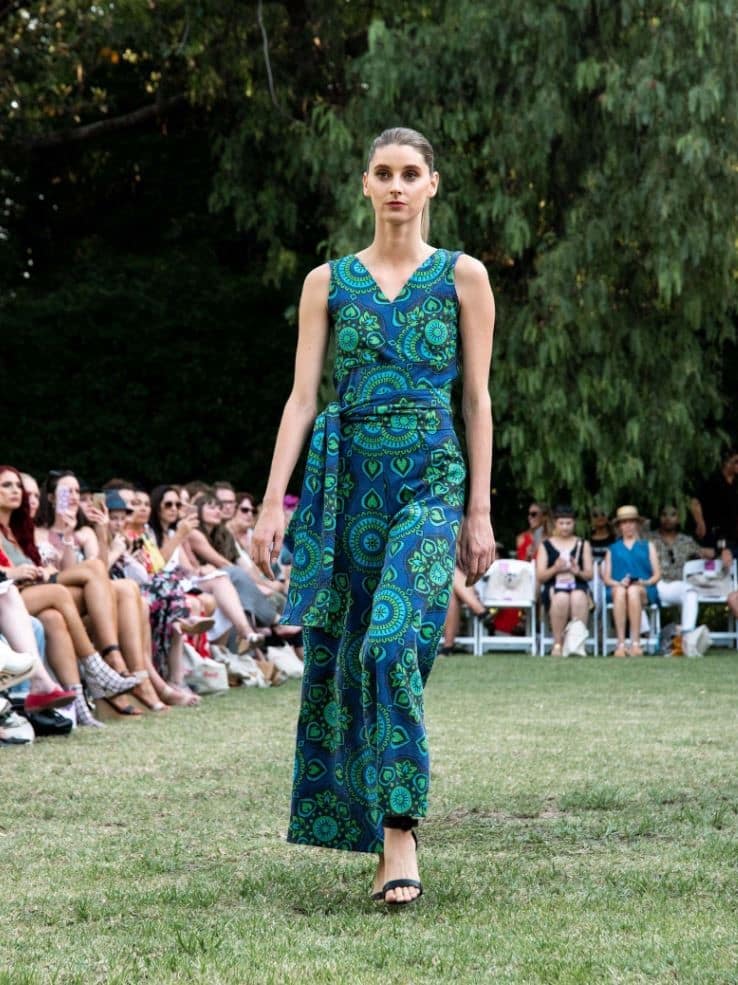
<point>320,491</point>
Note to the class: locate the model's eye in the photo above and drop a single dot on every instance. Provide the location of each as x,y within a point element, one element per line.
<point>411,175</point>
<point>382,173</point>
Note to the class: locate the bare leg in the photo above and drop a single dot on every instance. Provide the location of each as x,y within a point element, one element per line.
<point>94,582</point>
<point>559,615</point>
<point>59,648</point>
<point>400,862</point>
<point>15,623</point>
<point>618,615</point>
<point>636,598</point>
<point>230,605</point>
<point>40,597</point>
<point>452,623</point>
<point>580,606</point>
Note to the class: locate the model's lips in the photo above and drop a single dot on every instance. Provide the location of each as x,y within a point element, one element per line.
<point>396,205</point>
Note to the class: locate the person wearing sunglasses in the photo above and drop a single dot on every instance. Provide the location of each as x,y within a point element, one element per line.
<point>601,535</point>
<point>507,621</point>
<point>226,496</point>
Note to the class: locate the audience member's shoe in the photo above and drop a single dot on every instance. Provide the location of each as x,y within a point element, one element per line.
<point>82,709</point>
<point>57,698</point>
<point>16,730</point>
<point>697,642</point>
<point>193,627</point>
<point>14,667</point>
<point>103,681</point>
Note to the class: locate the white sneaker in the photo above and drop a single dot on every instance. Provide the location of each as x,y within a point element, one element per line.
<point>698,642</point>
<point>14,667</point>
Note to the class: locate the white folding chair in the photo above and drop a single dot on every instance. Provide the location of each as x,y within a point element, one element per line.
<point>652,613</point>
<point>713,584</point>
<point>545,639</point>
<point>508,584</point>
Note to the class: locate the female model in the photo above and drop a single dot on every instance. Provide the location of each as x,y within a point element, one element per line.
<point>375,533</point>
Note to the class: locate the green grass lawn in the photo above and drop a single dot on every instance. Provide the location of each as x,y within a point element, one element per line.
<point>584,829</point>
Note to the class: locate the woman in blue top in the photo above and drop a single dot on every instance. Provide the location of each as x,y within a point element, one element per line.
<point>375,532</point>
<point>630,572</point>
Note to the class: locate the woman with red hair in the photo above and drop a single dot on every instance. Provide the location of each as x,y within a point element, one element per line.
<point>68,642</point>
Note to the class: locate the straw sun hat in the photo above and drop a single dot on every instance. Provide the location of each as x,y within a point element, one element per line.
<point>628,513</point>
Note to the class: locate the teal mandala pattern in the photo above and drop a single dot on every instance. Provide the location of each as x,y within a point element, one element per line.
<point>373,541</point>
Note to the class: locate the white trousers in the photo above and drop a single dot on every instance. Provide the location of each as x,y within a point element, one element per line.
<point>680,593</point>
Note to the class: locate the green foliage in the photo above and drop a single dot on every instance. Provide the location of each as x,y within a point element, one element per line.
<point>588,152</point>
<point>590,159</point>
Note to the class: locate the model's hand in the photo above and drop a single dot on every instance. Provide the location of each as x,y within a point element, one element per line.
<point>268,537</point>
<point>476,547</point>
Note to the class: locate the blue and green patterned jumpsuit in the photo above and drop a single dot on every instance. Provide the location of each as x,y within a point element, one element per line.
<point>373,539</point>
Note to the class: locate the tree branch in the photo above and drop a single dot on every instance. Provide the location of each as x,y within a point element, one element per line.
<point>93,130</point>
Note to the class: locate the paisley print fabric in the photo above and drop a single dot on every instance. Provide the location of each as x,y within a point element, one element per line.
<point>373,542</point>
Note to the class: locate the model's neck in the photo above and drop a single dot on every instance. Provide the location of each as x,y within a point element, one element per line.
<point>397,243</point>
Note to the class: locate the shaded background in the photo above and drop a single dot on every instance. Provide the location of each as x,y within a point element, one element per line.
<point>170,171</point>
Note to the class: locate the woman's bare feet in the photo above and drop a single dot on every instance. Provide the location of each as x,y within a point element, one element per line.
<point>400,862</point>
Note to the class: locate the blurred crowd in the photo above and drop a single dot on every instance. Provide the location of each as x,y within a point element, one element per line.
<point>131,601</point>
<point>622,564</point>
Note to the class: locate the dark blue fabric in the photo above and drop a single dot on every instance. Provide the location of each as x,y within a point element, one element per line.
<point>374,539</point>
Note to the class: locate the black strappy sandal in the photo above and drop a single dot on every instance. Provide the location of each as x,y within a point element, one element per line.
<point>398,883</point>
<point>401,884</point>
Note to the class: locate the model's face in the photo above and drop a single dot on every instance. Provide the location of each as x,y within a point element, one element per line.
<point>227,500</point>
<point>34,499</point>
<point>399,183</point>
<point>669,519</point>
<point>141,507</point>
<point>168,508</point>
<point>11,491</point>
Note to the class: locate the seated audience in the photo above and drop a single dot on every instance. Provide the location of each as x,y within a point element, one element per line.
<point>631,572</point>
<point>69,647</point>
<point>563,570</point>
<point>74,551</point>
<point>226,496</point>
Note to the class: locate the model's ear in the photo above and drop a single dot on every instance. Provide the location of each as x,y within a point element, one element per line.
<point>435,181</point>
<point>364,180</point>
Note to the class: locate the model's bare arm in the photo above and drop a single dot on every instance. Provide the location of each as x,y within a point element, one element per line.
<point>476,324</point>
<point>298,415</point>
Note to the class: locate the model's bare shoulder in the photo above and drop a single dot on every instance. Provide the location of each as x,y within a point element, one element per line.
<point>318,281</point>
<point>470,272</point>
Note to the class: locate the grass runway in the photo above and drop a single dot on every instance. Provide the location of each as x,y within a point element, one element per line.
<point>584,829</point>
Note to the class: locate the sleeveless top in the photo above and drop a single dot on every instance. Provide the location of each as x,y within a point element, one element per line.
<point>394,367</point>
<point>552,553</point>
<point>633,561</point>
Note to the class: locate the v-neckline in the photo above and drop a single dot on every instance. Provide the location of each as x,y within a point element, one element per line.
<point>404,286</point>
